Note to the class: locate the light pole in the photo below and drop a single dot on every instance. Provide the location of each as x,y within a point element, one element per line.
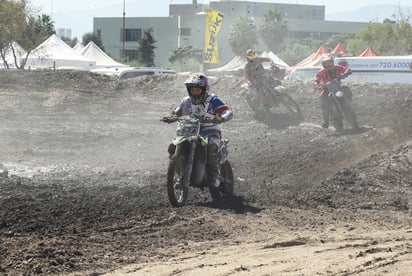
<point>124,29</point>
<point>178,31</point>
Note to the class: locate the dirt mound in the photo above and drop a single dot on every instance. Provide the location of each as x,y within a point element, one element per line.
<point>381,181</point>
<point>82,185</point>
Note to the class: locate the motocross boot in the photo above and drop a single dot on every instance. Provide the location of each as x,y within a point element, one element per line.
<point>171,150</point>
<point>212,169</point>
<point>325,106</point>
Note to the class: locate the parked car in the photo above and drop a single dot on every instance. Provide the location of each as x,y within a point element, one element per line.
<point>304,74</point>
<point>110,71</point>
<point>128,73</point>
<point>132,72</point>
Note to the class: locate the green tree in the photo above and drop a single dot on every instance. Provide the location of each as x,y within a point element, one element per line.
<point>186,56</point>
<point>36,31</point>
<point>19,24</point>
<point>70,41</point>
<point>273,30</point>
<point>387,38</point>
<point>45,25</point>
<point>96,37</point>
<point>243,35</point>
<point>335,39</point>
<point>404,37</point>
<point>11,16</point>
<point>145,49</point>
<point>295,53</point>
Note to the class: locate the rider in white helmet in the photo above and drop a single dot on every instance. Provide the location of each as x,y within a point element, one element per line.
<point>329,72</point>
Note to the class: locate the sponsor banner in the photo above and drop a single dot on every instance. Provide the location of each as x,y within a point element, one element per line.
<point>370,64</point>
<point>212,28</point>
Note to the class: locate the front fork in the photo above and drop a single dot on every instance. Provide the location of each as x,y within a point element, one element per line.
<point>189,163</point>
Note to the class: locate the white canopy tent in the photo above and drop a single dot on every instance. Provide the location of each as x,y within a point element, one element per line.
<point>93,52</point>
<point>55,53</point>
<point>238,63</point>
<point>78,47</point>
<point>275,59</point>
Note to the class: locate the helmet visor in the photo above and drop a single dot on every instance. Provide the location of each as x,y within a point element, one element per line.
<point>251,55</point>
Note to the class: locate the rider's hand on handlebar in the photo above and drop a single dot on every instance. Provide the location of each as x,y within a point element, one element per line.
<point>318,88</point>
<point>168,118</point>
<point>213,120</point>
<point>219,118</point>
<point>348,72</point>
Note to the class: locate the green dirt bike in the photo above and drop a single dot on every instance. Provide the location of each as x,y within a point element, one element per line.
<point>188,159</point>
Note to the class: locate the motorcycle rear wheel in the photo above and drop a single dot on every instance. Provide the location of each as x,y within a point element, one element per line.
<point>227,181</point>
<point>226,186</point>
<point>177,192</point>
<point>290,104</point>
<point>350,115</point>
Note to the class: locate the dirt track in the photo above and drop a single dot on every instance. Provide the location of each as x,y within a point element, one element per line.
<point>82,190</point>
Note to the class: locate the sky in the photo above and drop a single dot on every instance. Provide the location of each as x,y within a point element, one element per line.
<point>78,14</point>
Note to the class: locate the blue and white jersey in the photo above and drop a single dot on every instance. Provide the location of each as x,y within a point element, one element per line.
<point>209,108</point>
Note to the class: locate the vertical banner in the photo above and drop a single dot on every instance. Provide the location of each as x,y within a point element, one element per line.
<point>213,24</point>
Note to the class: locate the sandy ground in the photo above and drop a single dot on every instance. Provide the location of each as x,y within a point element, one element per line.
<point>83,170</point>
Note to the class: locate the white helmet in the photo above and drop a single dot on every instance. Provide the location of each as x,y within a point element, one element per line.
<point>327,61</point>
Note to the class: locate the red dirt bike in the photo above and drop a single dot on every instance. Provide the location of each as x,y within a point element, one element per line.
<point>187,166</point>
<point>269,97</point>
<point>339,99</point>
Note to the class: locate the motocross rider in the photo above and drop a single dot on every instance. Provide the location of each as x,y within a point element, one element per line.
<point>329,72</point>
<point>202,104</point>
<point>254,74</point>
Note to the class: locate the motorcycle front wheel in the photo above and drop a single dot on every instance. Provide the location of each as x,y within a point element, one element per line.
<point>177,191</point>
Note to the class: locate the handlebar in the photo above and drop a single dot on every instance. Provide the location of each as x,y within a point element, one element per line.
<point>170,119</point>
<point>204,121</point>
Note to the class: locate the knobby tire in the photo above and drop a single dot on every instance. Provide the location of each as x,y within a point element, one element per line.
<point>177,192</point>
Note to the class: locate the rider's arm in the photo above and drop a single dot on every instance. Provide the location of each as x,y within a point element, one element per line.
<point>264,59</point>
<point>225,116</point>
<point>342,70</point>
<point>318,78</point>
<point>348,72</point>
<point>318,81</point>
<point>177,112</point>
<point>221,111</point>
